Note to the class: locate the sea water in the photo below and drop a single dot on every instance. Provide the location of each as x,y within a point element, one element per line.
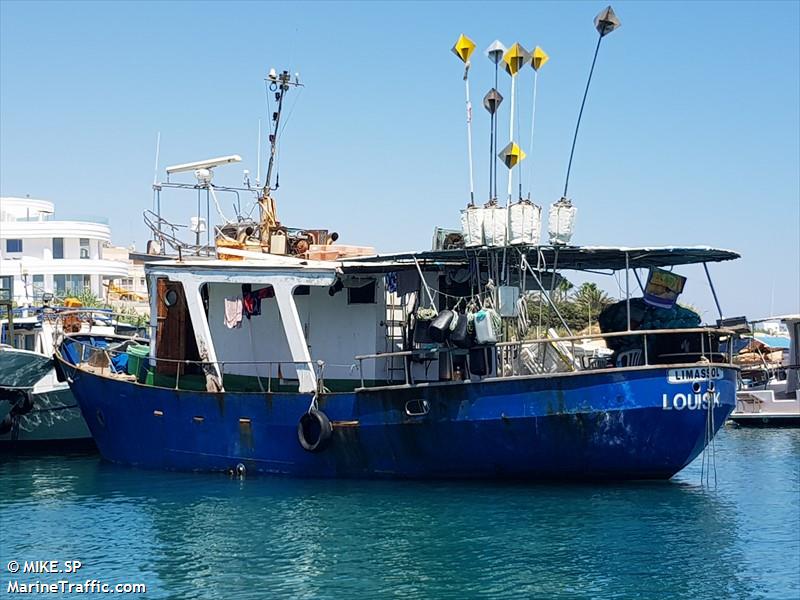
<point>211,536</point>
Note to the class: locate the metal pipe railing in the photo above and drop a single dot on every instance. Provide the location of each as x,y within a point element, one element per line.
<point>507,358</point>
<point>85,357</point>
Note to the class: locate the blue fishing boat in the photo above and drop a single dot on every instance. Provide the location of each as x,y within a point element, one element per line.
<point>253,398</point>
<point>287,352</point>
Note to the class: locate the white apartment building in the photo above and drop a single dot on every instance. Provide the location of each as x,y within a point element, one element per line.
<point>39,254</point>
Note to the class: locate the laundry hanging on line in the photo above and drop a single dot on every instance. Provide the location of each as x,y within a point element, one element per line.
<point>233,312</point>
<point>251,300</point>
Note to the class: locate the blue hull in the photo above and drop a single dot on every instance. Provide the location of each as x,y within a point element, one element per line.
<point>593,425</point>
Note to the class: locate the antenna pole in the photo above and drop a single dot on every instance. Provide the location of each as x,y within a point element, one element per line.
<point>158,148</point>
<point>533,122</point>
<point>580,114</point>
<point>494,150</point>
<point>279,84</point>
<point>469,135</point>
<point>511,132</point>
<point>156,187</point>
<point>258,153</point>
<point>276,118</point>
<point>491,152</point>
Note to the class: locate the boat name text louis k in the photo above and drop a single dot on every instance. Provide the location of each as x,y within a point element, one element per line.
<point>689,401</point>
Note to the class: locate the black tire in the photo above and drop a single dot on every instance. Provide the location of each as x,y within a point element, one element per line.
<point>314,431</point>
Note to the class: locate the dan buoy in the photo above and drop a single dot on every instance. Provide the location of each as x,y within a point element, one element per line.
<point>314,431</point>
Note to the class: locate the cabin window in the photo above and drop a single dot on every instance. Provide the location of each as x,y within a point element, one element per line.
<point>302,290</point>
<point>362,295</point>
<point>84,247</point>
<point>58,247</point>
<point>13,245</point>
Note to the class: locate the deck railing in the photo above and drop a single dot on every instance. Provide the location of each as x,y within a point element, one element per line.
<point>540,356</point>
<point>560,354</point>
<point>101,359</point>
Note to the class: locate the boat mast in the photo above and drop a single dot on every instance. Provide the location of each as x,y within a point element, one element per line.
<point>279,84</point>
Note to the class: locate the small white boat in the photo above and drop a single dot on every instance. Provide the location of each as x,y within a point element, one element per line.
<point>772,398</point>
<point>36,410</point>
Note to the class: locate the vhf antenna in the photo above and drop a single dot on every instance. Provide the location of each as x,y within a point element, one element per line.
<point>279,84</point>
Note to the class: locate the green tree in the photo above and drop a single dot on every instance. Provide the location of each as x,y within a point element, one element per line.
<point>589,301</point>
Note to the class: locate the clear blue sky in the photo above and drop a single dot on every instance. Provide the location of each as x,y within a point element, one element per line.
<point>691,134</point>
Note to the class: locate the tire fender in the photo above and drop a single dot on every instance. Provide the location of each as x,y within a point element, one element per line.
<point>314,431</point>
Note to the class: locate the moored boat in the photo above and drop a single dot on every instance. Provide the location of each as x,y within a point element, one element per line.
<point>254,398</point>
<point>770,392</point>
<point>290,353</point>
<point>37,411</point>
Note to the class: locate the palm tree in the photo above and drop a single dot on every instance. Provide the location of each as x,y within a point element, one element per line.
<point>590,301</point>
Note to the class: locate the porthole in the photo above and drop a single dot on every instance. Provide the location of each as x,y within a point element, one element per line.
<point>170,298</point>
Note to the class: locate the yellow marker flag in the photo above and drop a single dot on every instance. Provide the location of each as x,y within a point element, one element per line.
<point>538,58</point>
<point>511,155</point>
<point>464,47</point>
<point>515,58</point>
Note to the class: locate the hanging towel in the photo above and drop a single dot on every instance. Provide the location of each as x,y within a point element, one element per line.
<point>407,282</point>
<point>233,312</point>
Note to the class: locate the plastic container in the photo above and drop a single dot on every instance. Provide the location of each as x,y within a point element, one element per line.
<point>458,331</point>
<point>137,355</point>
<point>507,296</point>
<point>440,326</point>
<point>487,323</point>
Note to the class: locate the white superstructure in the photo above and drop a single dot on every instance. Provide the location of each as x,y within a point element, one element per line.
<point>39,254</point>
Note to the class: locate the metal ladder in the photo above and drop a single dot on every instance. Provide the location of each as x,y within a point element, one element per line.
<point>394,334</point>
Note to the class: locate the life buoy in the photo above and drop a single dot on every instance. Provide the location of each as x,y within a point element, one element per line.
<point>314,431</point>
